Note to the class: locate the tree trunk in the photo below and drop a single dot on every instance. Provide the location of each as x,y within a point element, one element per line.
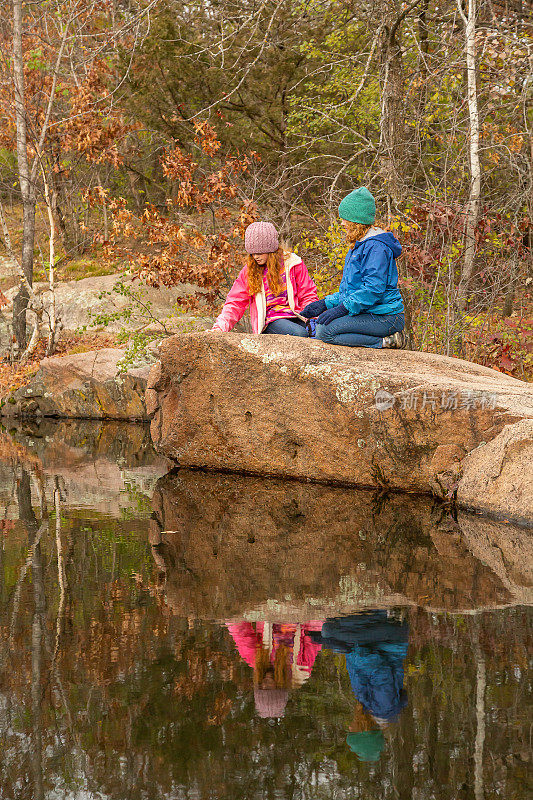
<point>27,188</point>
<point>52,316</point>
<point>286,176</point>
<point>392,117</point>
<point>423,30</point>
<point>508,301</point>
<point>472,210</point>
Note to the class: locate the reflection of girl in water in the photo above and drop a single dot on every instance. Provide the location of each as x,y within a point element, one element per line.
<point>375,644</point>
<point>281,655</point>
<point>365,737</point>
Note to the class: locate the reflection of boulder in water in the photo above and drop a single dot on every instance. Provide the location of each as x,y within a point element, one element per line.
<point>234,544</point>
<point>93,462</point>
<point>66,443</point>
<point>508,549</point>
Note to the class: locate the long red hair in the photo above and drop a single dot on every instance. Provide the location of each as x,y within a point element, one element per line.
<point>281,666</point>
<point>362,719</point>
<point>274,267</point>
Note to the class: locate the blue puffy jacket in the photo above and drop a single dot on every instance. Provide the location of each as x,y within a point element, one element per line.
<point>370,277</point>
<point>375,646</point>
<point>376,675</point>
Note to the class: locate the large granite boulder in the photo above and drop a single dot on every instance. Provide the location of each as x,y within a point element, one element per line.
<point>498,476</point>
<point>84,386</point>
<point>278,405</point>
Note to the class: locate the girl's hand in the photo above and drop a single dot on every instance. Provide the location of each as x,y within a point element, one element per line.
<point>331,314</point>
<point>314,309</point>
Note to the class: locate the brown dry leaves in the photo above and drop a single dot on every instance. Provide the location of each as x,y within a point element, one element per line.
<point>197,238</point>
<point>13,376</point>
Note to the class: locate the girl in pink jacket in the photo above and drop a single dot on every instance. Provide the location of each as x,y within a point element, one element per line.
<point>281,654</point>
<point>274,285</point>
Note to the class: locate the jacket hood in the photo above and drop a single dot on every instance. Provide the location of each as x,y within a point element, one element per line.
<point>291,259</point>
<point>387,238</point>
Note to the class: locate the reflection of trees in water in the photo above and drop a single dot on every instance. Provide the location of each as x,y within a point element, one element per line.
<point>64,607</point>
<point>108,687</point>
<point>28,518</point>
<point>43,668</point>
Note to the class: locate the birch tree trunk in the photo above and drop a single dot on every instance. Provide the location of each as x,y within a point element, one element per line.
<point>27,189</point>
<point>472,209</point>
<point>52,316</point>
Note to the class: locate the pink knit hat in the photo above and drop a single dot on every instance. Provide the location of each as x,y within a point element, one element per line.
<point>270,702</point>
<point>261,237</point>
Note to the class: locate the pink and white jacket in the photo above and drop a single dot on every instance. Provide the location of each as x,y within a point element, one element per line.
<point>300,291</point>
<point>302,649</point>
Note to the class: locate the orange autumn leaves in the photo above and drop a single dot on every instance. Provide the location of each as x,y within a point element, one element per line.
<point>197,238</point>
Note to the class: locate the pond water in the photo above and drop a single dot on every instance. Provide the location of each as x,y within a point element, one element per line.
<point>213,636</point>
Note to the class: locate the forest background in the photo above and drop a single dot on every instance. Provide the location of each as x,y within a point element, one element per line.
<point>141,137</point>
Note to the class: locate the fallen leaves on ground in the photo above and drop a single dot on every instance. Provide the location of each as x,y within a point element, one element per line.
<point>13,376</point>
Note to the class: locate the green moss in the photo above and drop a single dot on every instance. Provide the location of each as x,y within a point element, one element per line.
<point>84,268</point>
<point>76,270</point>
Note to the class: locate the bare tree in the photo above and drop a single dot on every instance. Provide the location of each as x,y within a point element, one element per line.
<point>27,185</point>
<point>472,213</point>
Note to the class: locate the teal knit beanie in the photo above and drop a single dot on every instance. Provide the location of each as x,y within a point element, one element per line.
<point>367,744</point>
<point>358,206</point>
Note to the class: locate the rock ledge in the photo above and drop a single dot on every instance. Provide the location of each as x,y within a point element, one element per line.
<point>82,386</point>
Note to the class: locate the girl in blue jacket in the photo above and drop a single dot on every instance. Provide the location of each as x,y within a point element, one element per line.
<point>367,311</point>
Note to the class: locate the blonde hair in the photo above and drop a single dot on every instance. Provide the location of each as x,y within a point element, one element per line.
<point>355,231</point>
<point>274,267</point>
<point>281,667</point>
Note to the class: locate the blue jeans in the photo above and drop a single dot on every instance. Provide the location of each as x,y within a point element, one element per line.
<point>289,326</point>
<point>361,330</point>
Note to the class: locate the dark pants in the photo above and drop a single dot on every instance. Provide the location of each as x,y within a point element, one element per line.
<point>290,326</point>
<point>361,330</point>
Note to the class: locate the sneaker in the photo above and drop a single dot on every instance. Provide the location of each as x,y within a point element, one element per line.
<point>398,341</point>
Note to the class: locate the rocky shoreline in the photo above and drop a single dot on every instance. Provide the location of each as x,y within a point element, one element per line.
<point>275,406</point>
